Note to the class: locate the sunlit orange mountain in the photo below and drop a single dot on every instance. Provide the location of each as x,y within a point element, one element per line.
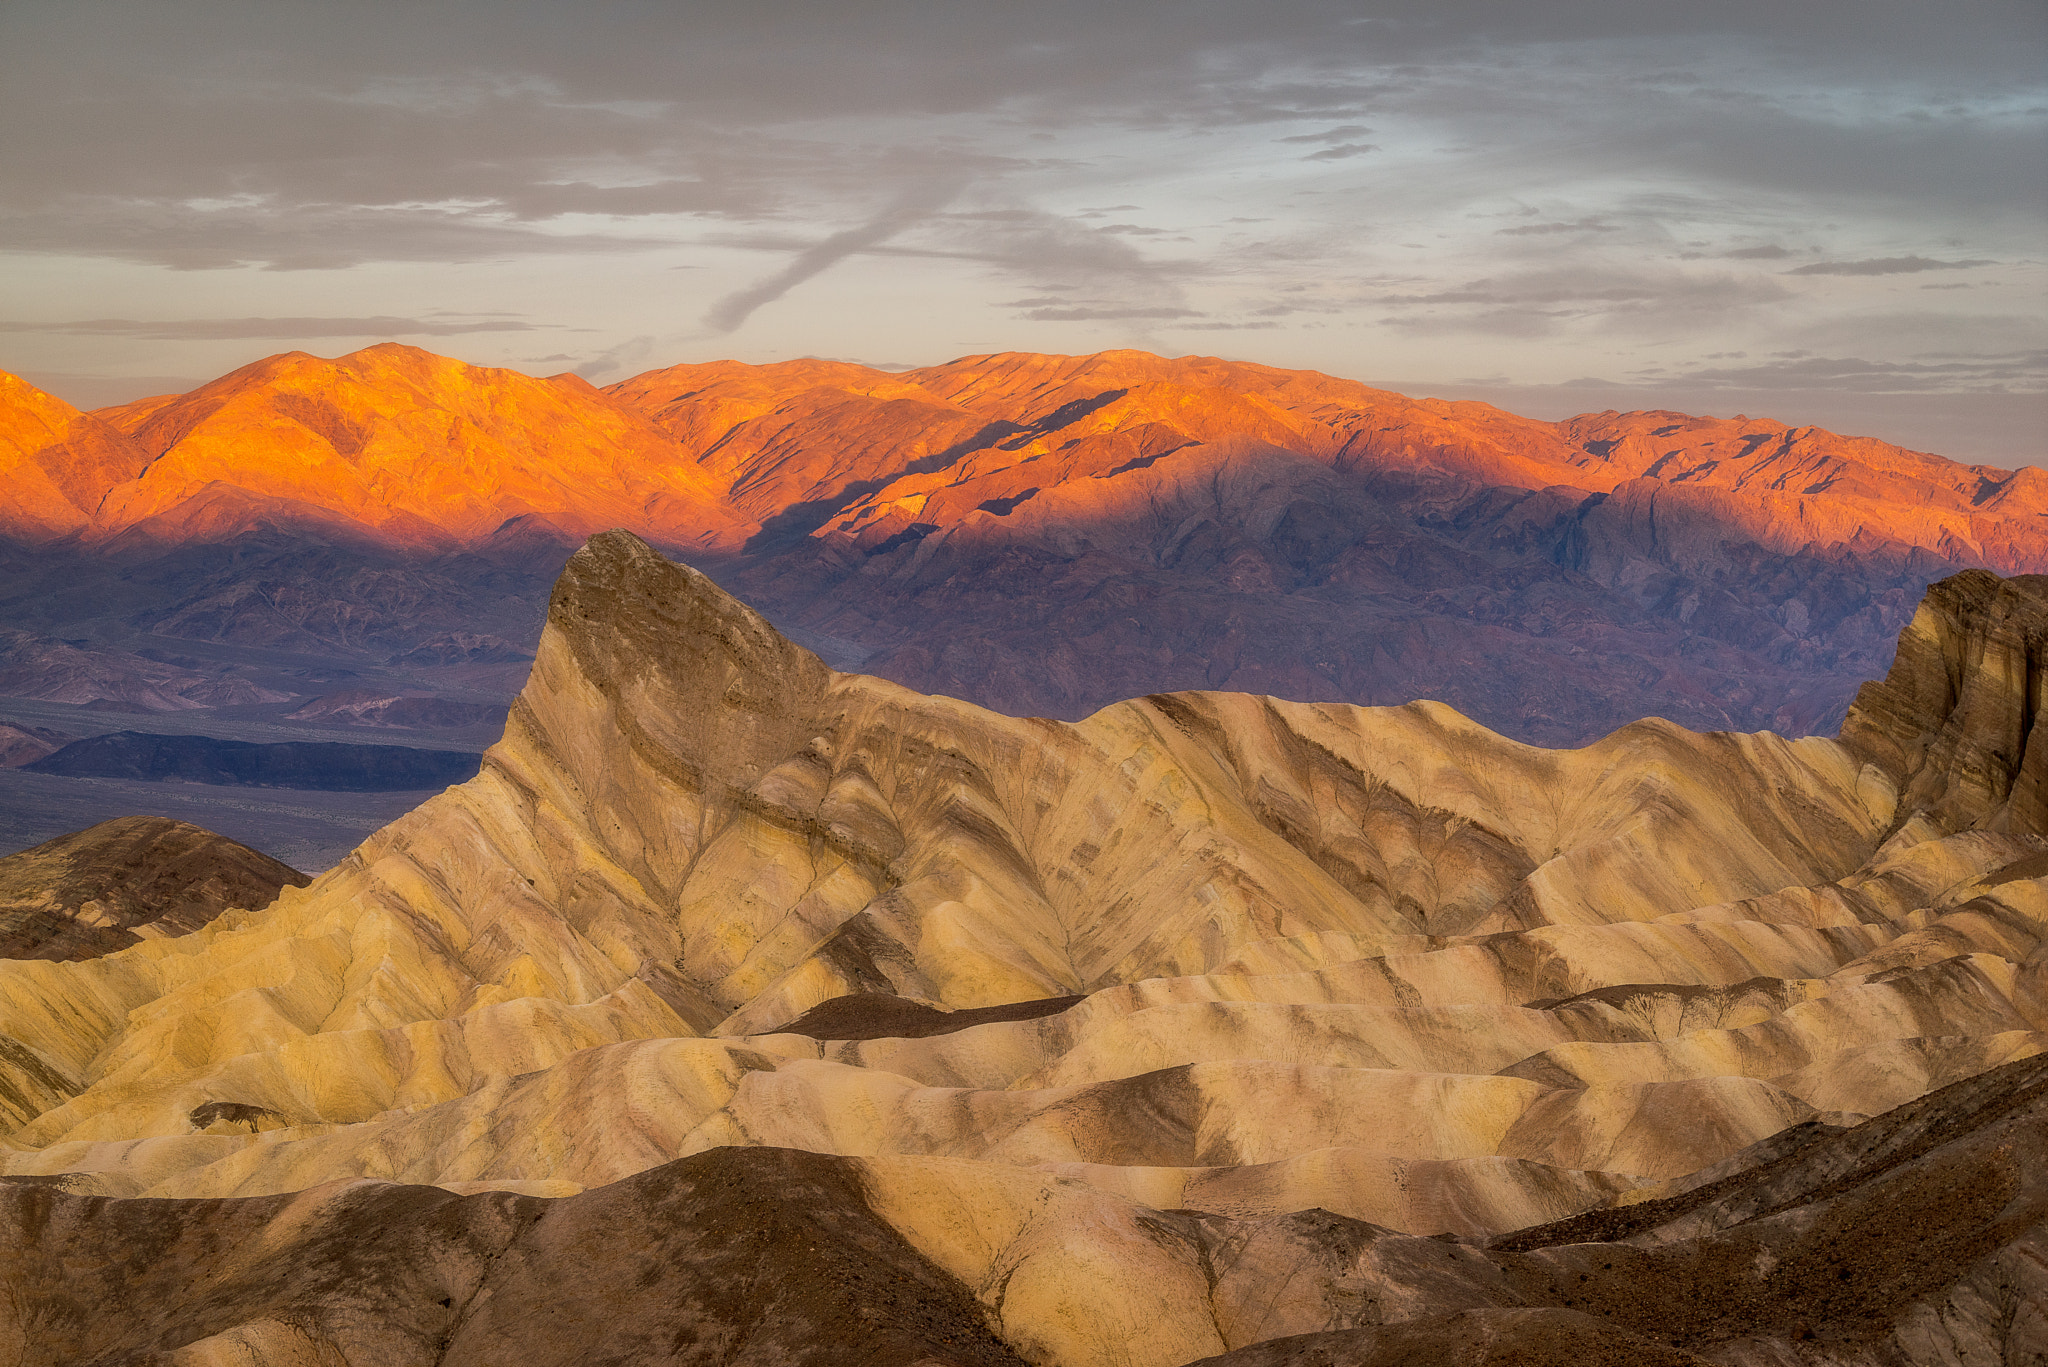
<point>411,448</point>
<point>1049,533</point>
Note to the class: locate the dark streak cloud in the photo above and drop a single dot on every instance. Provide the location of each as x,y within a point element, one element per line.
<point>1342,151</point>
<point>1888,265</point>
<point>1584,225</point>
<point>1066,315</point>
<point>917,203</point>
<point>1998,372</point>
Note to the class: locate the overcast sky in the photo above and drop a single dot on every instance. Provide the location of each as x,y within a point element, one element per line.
<point>1824,212</point>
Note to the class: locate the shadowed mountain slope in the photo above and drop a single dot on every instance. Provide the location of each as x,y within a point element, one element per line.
<point>330,765</point>
<point>1040,534</point>
<point>1341,972</point>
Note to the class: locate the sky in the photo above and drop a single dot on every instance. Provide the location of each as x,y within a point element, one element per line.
<point>1824,212</point>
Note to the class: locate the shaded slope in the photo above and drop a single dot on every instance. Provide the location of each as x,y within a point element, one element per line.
<point>746,1258</point>
<point>1916,1237</point>
<point>332,766</point>
<point>102,889</point>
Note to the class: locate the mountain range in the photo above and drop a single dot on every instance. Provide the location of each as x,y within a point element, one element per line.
<point>1039,534</point>
<point>743,1010</point>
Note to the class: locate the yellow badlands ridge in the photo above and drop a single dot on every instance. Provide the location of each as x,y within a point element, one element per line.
<point>1378,961</point>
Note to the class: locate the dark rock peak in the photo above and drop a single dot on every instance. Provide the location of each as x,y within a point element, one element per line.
<point>687,665</point>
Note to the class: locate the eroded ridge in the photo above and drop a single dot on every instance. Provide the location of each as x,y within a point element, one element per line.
<point>1305,985</point>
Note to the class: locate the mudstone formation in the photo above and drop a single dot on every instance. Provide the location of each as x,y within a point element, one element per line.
<point>746,1011</point>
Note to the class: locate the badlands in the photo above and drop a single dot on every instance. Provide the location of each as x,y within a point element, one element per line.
<point>745,1011</point>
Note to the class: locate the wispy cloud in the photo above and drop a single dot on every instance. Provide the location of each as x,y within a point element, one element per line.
<point>1583,225</point>
<point>266,329</point>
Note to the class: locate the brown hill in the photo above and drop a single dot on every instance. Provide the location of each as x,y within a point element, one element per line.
<point>99,890</point>
<point>1914,1238</point>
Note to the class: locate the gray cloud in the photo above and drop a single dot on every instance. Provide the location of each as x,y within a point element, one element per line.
<point>1584,225</point>
<point>1888,265</point>
<point>1075,315</point>
<point>1340,134</point>
<point>1342,151</point>
<point>1540,303</point>
<point>265,329</point>
<point>2027,370</point>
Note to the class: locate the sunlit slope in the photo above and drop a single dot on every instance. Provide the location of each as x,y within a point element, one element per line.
<point>1379,961</point>
<point>393,444</point>
<point>1067,429</point>
<point>418,449</point>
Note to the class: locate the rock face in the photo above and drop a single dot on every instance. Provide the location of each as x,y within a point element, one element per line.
<point>1045,535</point>
<point>106,888</point>
<point>1958,715</point>
<point>1346,978</point>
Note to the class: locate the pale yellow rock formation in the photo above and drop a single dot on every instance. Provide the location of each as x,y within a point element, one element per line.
<point>1376,961</point>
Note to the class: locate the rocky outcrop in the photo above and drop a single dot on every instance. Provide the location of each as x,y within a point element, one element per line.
<point>1958,720</point>
<point>103,889</point>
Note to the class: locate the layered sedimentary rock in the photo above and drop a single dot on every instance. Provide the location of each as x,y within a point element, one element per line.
<point>1146,1009</point>
<point>103,889</point>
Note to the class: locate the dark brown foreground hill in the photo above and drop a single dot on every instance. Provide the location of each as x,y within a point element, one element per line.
<point>87,893</point>
<point>1920,1236</point>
